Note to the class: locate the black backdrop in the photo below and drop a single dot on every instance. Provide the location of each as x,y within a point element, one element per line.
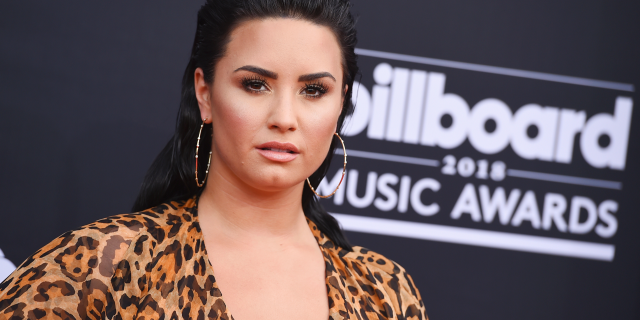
<point>89,94</point>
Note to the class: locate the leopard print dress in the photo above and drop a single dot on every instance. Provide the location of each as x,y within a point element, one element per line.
<point>153,265</point>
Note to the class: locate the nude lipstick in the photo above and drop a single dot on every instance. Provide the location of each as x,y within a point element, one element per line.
<point>278,151</point>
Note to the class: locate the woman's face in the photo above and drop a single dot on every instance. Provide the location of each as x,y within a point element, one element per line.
<point>274,102</point>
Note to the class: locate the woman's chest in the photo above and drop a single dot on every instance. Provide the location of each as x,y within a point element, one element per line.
<point>282,284</point>
<point>266,287</point>
<point>187,289</point>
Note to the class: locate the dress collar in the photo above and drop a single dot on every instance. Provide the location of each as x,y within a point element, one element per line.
<point>335,277</point>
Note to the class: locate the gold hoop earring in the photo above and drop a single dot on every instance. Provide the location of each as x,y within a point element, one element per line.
<point>344,170</point>
<point>198,148</point>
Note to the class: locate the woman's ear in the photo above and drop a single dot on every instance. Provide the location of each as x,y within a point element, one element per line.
<point>203,94</point>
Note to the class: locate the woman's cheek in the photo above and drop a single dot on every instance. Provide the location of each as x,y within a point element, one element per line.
<point>320,134</point>
<point>236,114</point>
<point>233,127</point>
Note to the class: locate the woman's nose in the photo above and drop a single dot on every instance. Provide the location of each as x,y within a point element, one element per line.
<point>283,114</point>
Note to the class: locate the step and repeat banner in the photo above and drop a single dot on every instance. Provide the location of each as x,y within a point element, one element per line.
<point>500,167</point>
<point>492,152</point>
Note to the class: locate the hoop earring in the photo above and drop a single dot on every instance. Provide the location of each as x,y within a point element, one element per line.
<point>198,148</point>
<point>344,170</point>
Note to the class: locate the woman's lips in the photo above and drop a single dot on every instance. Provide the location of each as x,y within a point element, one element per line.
<point>278,151</point>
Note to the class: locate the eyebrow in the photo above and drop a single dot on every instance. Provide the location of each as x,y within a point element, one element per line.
<point>273,75</point>
<point>260,71</point>
<point>314,76</point>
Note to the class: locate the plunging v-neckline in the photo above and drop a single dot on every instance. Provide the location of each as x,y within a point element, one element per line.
<point>329,266</point>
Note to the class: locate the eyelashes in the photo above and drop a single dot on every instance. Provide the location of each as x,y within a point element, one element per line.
<point>256,84</point>
<point>315,90</point>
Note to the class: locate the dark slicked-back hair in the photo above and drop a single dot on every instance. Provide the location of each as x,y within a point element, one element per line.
<point>172,174</point>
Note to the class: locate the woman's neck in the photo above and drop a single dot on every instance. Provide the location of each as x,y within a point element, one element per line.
<point>241,213</point>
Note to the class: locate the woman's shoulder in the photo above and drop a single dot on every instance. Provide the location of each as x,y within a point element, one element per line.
<point>159,222</point>
<point>81,266</point>
<point>110,233</point>
<point>374,261</point>
<point>381,273</point>
<point>95,249</point>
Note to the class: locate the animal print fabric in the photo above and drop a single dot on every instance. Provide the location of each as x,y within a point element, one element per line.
<point>153,265</point>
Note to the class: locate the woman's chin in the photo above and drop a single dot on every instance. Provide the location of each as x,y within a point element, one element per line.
<point>273,183</point>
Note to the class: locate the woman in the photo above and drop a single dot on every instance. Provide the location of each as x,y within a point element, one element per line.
<point>267,88</point>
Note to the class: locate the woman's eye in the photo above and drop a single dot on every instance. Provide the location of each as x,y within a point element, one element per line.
<point>311,92</point>
<point>314,91</point>
<point>254,85</point>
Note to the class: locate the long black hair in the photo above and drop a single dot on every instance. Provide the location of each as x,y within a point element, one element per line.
<point>172,174</point>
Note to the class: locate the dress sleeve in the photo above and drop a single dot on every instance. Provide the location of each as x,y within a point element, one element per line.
<point>413,307</point>
<point>70,278</point>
